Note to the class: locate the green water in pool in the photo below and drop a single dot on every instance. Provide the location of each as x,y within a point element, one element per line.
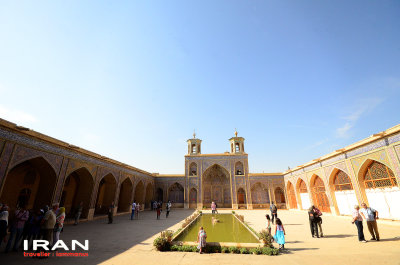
<point>228,229</point>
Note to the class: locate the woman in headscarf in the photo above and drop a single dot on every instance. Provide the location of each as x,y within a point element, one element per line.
<point>59,224</point>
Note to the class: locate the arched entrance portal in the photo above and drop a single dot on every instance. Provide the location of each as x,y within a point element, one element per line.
<point>344,193</point>
<point>139,194</point>
<point>30,184</point>
<point>319,196</point>
<point>279,196</point>
<point>382,190</point>
<point>176,195</point>
<point>241,197</point>
<point>216,187</point>
<point>304,195</point>
<point>193,198</point>
<point>291,196</point>
<point>125,195</point>
<point>149,195</point>
<point>78,187</point>
<point>106,194</point>
<point>160,195</point>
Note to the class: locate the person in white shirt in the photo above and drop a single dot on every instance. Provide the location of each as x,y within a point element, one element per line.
<point>370,215</point>
<point>133,210</point>
<point>168,208</point>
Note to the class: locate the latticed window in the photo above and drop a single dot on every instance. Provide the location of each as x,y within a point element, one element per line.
<point>319,185</point>
<point>303,187</point>
<point>379,176</point>
<point>291,196</point>
<point>319,196</point>
<point>342,182</point>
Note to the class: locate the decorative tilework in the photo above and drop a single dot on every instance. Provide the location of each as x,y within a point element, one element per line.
<point>378,156</point>
<point>395,164</point>
<point>333,159</point>
<point>30,141</point>
<point>394,138</point>
<point>366,148</point>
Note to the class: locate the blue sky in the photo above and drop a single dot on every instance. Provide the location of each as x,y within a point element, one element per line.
<point>132,79</point>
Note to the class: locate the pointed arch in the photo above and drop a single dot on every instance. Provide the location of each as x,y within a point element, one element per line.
<point>342,192</point>
<point>279,196</point>
<point>139,193</point>
<point>193,198</point>
<point>291,196</point>
<point>259,195</point>
<point>380,188</point>
<point>106,193</point>
<point>318,192</point>
<point>176,195</point>
<point>149,194</point>
<point>30,183</point>
<point>239,168</point>
<point>304,195</point>
<point>77,189</point>
<point>193,169</point>
<point>241,196</point>
<point>216,186</point>
<point>125,195</point>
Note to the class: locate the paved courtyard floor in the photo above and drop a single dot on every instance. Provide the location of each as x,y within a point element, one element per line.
<point>130,242</point>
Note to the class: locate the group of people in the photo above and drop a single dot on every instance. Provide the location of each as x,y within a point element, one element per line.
<point>314,216</point>
<point>279,233</point>
<point>155,206</point>
<point>370,215</point>
<point>46,223</point>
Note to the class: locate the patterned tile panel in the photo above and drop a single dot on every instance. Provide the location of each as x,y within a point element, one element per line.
<point>394,138</point>
<point>366,148</point>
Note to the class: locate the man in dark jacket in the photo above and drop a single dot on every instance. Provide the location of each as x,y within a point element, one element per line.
<point>313,218</point>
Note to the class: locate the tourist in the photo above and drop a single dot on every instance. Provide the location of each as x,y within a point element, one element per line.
<point>357,219</point>
<point>370,215</point>
<point>133,210</point>
<point>319,221</point>
<point>274,212</point>
<point>201,240</point>
<point>268,223</point>
<point>312,217</point>
<point>280,233</point>
<point>78,213</point>
<point>213,207</point>
<point>111,213</point>
<point>137,210</point>
<point>158,208</point>
<point>59,225</point>
<point>21,216</point>
<point>48,223</point>
<point>27,228</point>
<point>34,232</point>
<point>154,205</point>
<point>3,222</point>
<point>168,208</point>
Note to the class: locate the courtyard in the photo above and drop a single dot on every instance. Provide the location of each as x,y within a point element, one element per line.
<point>130,242</point>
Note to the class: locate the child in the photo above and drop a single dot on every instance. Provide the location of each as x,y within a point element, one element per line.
<point>268,223</point>
<point>280,233</point>
<point>201,239</point>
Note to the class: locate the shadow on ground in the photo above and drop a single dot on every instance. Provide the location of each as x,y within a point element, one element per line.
<point>105,240</point>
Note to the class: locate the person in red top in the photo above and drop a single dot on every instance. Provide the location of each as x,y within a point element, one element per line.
<point>21,215</point>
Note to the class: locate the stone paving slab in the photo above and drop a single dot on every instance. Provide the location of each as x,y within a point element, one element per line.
<point>130,242</point>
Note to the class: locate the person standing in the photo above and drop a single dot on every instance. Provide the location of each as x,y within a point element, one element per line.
<point>59,225</point>
<point>168,208</point>
<point>158,208</point>
<point>370,215</point>
<point>318,220</point>
<point>133,210</point>
<point>357,219</point>
<point>137,210</point>
<point>274,212</point>
<point>201,240</point>
<point>280,233</point>
<point>48,223</point>
<point>213,207</point>
<point>154,206</point>
<point>111,213</point>
<point>78,213</point>
<point>268,223</point>
<point>3,222</point>
<point>312,216</point>
<point>21,216</point>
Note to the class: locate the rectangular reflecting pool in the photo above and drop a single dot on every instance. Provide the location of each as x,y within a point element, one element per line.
<point>228,229</point>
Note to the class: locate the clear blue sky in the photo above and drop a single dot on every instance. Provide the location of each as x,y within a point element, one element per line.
<point>132,79</point>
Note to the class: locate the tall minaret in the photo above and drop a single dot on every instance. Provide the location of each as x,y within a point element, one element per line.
<point>237,144</point>
<point>194,145</point>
